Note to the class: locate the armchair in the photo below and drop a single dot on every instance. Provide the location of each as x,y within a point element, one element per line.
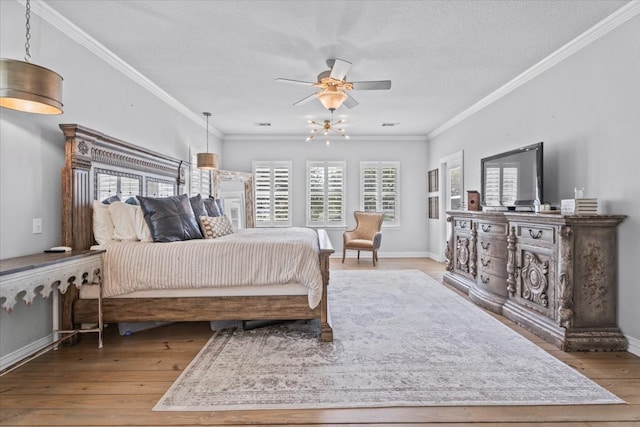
<point>366,236</point>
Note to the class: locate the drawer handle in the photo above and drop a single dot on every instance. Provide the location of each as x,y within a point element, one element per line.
<point>486,228</point>
<point>535,235</point>
<point>484,245</point>
<point>484,262</point>
<point>483,279</point>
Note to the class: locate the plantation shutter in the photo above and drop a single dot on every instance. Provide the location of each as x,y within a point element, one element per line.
<point>272,193</point>
<point>379,189</point>
<point>325,193</point>
<point>200,179</point>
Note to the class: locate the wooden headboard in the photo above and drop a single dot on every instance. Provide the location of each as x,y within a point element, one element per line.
<point>89,153</point>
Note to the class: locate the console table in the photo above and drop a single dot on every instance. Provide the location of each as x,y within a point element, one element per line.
<point>553,274</point>
<point>47,274</point>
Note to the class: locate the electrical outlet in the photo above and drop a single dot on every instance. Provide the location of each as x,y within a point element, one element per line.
<point>37,225</point>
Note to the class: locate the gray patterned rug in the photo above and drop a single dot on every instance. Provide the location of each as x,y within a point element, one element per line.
<point>400,339</point>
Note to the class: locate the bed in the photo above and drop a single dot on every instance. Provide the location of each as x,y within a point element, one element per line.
<point>292,286</point>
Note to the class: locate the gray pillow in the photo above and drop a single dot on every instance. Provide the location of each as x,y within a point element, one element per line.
<point>110,200</point>
<point>197,206</point>
<point>212,208</point>
<point>170,219</point>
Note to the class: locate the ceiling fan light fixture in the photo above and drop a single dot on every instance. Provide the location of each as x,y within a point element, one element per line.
<point>331,98</point>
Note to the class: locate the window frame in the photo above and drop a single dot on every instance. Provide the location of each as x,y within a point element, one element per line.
<point>325,222</point>
<point>380,192</point>
<point>272,165</point>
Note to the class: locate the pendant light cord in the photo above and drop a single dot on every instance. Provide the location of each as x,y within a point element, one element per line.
<point>207,115</point>
<point>27,45</point>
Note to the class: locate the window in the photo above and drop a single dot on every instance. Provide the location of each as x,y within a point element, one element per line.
<point>379,189</point>
<point>455,188</point>
<point>116,184</point>
<point>325,194</point>
<point>200,179</point>
<point>272,193</point>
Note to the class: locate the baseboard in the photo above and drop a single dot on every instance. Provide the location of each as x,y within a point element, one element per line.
<point>364,254</point>
<point>436,257</point>
<point>634,345</point>
<point>24,352</point>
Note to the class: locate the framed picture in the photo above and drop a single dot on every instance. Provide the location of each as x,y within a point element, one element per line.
<point>434,204</point>
<point>433,181</point>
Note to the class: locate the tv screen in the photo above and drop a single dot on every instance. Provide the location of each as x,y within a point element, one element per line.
<point>512,180</point>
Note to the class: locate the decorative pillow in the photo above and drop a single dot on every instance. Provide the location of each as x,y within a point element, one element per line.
<point>220,206</point>
<point>214,227</point>
<point>110,200</point>
<point>142,228</point>
<point>170,219</point>
<point>211,207</point>
<point>102,223</point>
<point>123,216</point>
<point>198,206</point>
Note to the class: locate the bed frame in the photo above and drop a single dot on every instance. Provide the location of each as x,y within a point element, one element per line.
<point>88,153</point>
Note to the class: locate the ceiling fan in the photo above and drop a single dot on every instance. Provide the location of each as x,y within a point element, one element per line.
<point>334,86</point>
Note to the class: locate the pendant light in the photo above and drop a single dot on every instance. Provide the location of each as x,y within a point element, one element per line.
<point>28,87</point>
<point>207,161</point>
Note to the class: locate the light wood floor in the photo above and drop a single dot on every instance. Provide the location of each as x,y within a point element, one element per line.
<point>119,384</point>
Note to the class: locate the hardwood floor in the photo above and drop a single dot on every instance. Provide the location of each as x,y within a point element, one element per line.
<point>119,384</point>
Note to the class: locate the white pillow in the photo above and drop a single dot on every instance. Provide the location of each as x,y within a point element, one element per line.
<point>123,216</point>
<point>102,224</point>
<point>142,228</point>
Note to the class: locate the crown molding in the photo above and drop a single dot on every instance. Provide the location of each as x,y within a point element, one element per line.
<point>61,23</point>
<point>611,22</point>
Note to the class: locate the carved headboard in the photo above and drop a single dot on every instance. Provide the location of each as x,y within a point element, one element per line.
<point>92,157</point>
<point>88,153</point>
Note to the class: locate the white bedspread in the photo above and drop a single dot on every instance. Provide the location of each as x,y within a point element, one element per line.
<point>256,256</point>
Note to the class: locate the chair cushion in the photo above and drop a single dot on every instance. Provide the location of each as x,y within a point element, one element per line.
<point>359,244</point>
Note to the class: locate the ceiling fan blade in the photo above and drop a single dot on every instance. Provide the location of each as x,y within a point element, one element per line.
<point>340,69</point>
<point>372,85</point>
<point>300,82</point>
<point>350,102</point>
<point>305,99</point>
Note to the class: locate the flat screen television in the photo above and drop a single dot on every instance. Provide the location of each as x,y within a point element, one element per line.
<point>512,180</point>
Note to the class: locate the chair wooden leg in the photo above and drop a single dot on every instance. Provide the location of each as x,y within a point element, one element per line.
<point>344,252</point>
<point>374,257</point>
<point>358,255</point>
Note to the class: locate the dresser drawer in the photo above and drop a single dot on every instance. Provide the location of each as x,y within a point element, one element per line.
<point>535,233</point>
<point>492,265</point>
<point>492,283</point>
<point>491,248</point>
<point>462,224</point>
<point>490,229</point>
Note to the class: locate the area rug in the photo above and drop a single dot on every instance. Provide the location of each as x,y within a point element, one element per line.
<point>400,339</point>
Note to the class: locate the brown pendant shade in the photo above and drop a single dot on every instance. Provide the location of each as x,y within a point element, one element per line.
<point>29,88</point>
<point>207,161</point>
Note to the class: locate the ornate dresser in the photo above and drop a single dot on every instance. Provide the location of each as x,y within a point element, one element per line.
<point>555,275</point>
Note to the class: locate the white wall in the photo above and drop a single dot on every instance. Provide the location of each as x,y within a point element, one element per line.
<point>409,239</point>
<point>586,109</point>
<point>32,147</point>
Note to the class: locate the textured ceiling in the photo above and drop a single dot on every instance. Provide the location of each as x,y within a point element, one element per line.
<point>224,56</point>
